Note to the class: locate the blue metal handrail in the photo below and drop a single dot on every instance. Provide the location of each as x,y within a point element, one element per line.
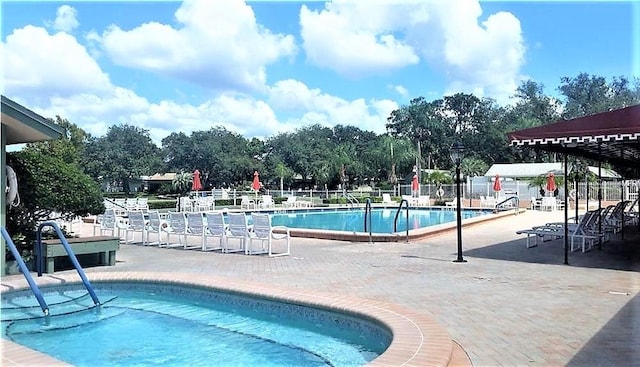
<point>367,214</point>
<point>72,257</point>
<point>395,221</point>
<point>23,268</point>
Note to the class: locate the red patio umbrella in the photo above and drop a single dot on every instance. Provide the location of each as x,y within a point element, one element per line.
<point>196,185</point>
<point>551,183</point>
<point>415,185</point>
<point>256,181</point>
<point>497,185</point>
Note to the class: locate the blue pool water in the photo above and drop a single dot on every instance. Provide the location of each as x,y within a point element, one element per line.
<point>382,219</point>
<point>142,324</point>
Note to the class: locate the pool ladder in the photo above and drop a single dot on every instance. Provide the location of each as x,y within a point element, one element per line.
<point>395,220</point>
<point>367,215</point>
<point>40,263</point>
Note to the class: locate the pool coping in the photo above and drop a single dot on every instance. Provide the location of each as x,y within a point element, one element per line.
<point>418,340</point>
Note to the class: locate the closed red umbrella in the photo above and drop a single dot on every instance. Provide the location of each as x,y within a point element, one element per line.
<point>256,181</point>
<point>414,183</point>
<point>497,184</point>
<point>196,185</point>
<point>551,183</point>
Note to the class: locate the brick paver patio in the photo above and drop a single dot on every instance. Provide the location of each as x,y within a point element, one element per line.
<point>508,305</point>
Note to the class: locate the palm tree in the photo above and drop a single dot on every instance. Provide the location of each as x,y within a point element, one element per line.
<point>182,182</point>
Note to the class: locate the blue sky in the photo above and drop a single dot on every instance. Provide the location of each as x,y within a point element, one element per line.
<point>261,68</point>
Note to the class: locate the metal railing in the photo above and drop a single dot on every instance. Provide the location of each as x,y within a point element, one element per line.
<point>367,215</point>
<point>395,220</point>
<point>23,268</point>
<point>515,204</point>
<point>69,250</point>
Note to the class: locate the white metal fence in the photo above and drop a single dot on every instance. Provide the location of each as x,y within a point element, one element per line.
<point>611,191</point>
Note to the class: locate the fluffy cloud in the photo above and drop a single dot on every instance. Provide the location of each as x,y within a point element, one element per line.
<point>231,55</point>
<point>36,62</point>
<point>66,20</point>
<point>363,38</point>
<point>322,108</point>
<point>353,38</point>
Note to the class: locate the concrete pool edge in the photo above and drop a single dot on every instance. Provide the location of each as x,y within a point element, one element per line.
<point>418,340</point>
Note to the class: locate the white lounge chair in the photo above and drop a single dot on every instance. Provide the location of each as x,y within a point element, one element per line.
<point>265,233</point>
<point>386,199</point>
<point>556,230</point>
<point>424,200</point>
<point>237,229</point>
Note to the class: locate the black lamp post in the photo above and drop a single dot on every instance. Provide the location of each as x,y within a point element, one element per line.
<point>457,152</point>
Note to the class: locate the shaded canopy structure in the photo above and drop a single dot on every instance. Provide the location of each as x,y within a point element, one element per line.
<point>612,136</point>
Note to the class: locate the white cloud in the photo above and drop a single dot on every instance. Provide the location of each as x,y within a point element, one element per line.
<point>353,38</point>
<point>36,62</point>
<point>218,45</point>
<point>66,19</point>
<point>325,109</point>
<point>364,38</point>
<point>401,90</point>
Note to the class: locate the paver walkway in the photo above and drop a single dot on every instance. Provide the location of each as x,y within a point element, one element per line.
<point>508,305</point>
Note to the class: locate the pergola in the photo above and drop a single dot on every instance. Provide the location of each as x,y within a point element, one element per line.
<point>612,136</point>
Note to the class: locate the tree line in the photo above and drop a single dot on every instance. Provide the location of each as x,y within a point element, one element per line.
<point>419,133</point>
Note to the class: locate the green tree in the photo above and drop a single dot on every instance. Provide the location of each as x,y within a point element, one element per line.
<point>125,152</point>
<point>589,94</point>
<point>50,188</point>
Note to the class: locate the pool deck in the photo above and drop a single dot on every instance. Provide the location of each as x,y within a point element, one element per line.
<point>507,305</point>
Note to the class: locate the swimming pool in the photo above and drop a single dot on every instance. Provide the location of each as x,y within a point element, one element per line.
<point>147,324</point>
<point>415,337</point>
<point>382,219</point>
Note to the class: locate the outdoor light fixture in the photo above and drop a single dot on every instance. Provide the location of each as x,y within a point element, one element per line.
<point>457,153</point>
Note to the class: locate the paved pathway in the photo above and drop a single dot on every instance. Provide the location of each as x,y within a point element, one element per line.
<point>508,305</point>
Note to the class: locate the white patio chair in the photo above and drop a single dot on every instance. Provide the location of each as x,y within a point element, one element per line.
<point>155,225</point>
<point>290,202</point>
<point>131,204</point>
<point>247,203</point>
<point>216,228</point>
<point>142,204</point>
<point>265,233</point>
<point>238,229</point>
<point>266,202</point>
<point>535,203</point>
<point>107,223</point>
<point>196,227</point>
<point>135,223</point>
<point>185,204</point>
<point>120,205</point>
<point>177,226</point>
